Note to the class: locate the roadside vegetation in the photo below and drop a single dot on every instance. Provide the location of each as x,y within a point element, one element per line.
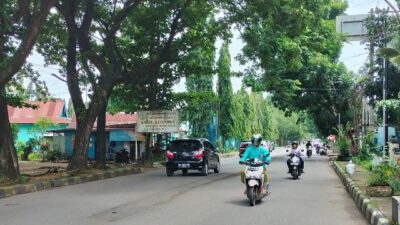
<point>129,55</point>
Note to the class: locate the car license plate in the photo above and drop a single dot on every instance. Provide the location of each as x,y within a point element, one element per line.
<point>183,165</point>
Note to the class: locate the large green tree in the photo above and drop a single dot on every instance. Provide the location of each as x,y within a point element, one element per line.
<point>20,26</point>
<point>383,41</point>
<point>224,90</point>
<point>114,42</point>
<point>240,111</point>
<point>294,49</point>
<point>201,100</point>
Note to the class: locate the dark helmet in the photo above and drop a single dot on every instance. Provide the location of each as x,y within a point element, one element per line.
<point>256,139</point>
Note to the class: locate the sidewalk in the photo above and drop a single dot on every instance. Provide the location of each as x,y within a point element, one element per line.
<point>360,181</point>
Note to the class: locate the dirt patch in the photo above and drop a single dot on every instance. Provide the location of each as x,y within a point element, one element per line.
<point>34,171</point>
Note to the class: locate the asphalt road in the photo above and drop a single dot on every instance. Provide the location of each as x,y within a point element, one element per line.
<point>152,198</point>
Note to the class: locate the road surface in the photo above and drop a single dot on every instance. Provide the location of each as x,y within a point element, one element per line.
<point>153,198</point>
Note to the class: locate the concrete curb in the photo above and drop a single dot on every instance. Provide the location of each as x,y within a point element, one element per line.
<point>65,181</point>
<point>372,214</point>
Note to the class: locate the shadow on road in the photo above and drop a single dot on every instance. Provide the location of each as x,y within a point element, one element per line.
<point>240,202</point>
<point>244,202</point>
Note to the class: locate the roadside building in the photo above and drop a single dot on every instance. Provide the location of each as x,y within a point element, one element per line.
<point>120,134</point>
<point>25,118</point>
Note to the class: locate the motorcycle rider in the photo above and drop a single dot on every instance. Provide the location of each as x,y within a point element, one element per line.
<point>308,144</point>
<point>256,151</point>
<point>295,150</point>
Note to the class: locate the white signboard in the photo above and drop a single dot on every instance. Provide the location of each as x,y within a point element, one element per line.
<point>353,26</point>
<point>163,121</point>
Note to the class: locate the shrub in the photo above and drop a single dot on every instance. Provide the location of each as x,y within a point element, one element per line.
<point>361,161</point>
<point>34,156</point>
<point>20,149</point>
<point>343,144</point>
<point>54,155</point>
<point>385,175</point>
<point>220,146</point>
<point>22,179</point>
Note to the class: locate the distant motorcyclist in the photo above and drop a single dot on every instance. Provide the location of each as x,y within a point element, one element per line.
<point>295,150</point>
<point>308,145</point>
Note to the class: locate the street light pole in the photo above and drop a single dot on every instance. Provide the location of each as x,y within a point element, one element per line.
<point>384,119</point>
<point>339,125</point>
<point>384,85</point>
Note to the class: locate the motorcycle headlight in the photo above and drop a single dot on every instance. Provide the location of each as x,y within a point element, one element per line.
<point>295,160</point>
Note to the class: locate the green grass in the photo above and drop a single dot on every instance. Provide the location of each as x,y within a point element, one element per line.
<point>364,163</point>
<point>20,180</point>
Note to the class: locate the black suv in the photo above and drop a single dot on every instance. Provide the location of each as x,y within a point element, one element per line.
<point>192,154</point>
<point>243,145</point>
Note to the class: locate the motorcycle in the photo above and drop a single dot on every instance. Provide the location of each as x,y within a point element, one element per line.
<point>254,180</point>
<point>122,156</point>
<point>322,151</point>
<point>295,165</point>
<point>317,148</point>
<point>309,152</point>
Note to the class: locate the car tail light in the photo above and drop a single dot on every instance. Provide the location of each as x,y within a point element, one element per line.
<point>169,155</point>
<point>198,154</point>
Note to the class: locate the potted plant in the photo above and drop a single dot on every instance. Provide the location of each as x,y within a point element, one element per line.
<point>383,181</point>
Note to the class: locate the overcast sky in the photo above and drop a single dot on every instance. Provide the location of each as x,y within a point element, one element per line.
<point>354,55</point>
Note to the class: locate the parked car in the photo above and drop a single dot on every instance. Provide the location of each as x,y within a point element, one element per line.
<point>242,147</point>
<point>192,154</point>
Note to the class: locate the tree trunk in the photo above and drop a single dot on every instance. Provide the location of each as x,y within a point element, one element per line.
<point>148,147</point>
<point>101,149</point>
<point>8,160</point>
<point>81,144</point>
<point>85,121</point>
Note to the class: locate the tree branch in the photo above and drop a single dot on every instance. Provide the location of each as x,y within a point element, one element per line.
<point>69,9</point>
<point>152,67</point>
<point>396,10</point>
<point>59,78</point>
<point>13,64</point>
<point>174,30</point>
<point>119,18</point>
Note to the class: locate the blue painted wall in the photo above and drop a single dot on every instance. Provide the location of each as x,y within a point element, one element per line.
<point>25,131</point>
<point>119,137</point>
<point>379,135</point>
<point>69,144</point>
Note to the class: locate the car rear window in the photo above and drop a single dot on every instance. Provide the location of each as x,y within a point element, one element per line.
<point>185,146</point>
<point>244,144</point>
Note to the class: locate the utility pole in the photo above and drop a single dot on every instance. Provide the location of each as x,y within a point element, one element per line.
<point>384,87</point>
<point>339,125</point>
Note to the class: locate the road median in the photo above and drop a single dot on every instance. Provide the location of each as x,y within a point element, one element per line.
<point>61,181</point>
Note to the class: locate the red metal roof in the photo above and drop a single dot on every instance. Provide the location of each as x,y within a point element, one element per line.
<point>51,109</point>
<point>112,120</point>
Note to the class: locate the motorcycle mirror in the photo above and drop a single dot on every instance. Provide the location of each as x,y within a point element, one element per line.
<point>287,150</point>
<point>302,150</point>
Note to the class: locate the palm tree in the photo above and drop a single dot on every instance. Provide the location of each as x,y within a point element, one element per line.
<point>392,52</point>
